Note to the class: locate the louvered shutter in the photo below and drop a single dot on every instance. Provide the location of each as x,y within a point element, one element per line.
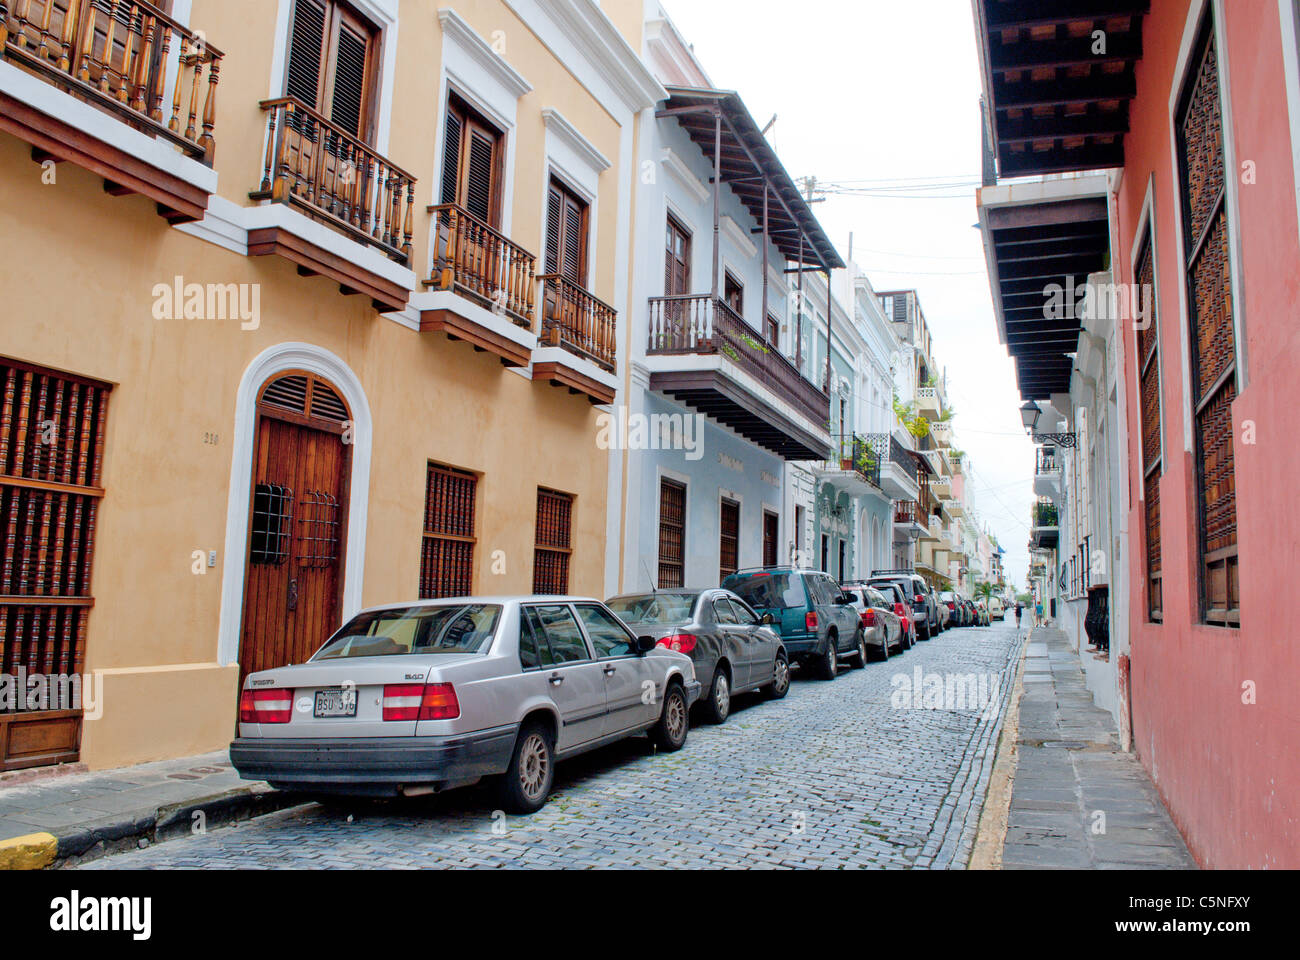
<point>554,208</point>
<point>305,49</point>
<point>574,267</point>
<point>451,157</point>
<point>351,53</point>
<point>480,172</point>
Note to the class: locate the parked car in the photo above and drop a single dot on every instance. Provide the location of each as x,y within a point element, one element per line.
<point>996,610</point>
<point>883,629</point>
<point>967,612</point>
<point>952,603</point>
<point>415,698</point>
<point>893,594</point>
<point>982,610</point>
<point>734,649</point>
<point>925,612</point>
<point>815,618</point>
<point>944,614</point>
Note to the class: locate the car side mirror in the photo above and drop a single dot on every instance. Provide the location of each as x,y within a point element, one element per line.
<point>767,620</point>
<point>645,644</point>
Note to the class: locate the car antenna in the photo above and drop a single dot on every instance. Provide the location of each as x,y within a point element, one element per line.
<point>653,591</point>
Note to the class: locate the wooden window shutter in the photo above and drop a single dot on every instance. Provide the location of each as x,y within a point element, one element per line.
<point>451,156</point>
<point>307,51</point>
<point>566,234</point>
<point>331,53</point>
<point>351,65</point>
<point>480,171</point>
<point>447,546</point>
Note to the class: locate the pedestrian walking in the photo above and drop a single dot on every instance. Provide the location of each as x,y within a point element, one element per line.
<point>1019,609</point>
<point>1038,614</point>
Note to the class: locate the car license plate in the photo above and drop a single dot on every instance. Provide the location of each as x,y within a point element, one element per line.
<point>338,702</point>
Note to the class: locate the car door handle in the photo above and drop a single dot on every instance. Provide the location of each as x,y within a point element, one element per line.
<point>610,669</point>
<point>555,679</point>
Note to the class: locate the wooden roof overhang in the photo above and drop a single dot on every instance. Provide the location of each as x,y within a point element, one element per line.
<point>1058,100</point>
<point>1054,237</point>
<point>750,168</point>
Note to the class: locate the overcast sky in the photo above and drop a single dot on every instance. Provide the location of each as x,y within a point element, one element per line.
<point>879,91</point>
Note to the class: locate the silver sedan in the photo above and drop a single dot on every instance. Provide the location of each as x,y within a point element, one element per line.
<point>420,697</point>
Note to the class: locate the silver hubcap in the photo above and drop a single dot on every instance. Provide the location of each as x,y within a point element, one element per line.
<point>676,708</point>
<point>831,660</point>
<point>722,695</point>
<point>534,763</point>
<point>862,650</point>
<point>782,677</point>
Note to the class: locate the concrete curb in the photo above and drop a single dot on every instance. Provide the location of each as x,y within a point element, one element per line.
<point>991,831</point>
<point>128,832</point>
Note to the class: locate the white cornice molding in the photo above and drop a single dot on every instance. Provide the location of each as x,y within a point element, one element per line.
<point>557,124</point>
<point>680,169</point>
<point>455,28</point>
<point>587,27</point>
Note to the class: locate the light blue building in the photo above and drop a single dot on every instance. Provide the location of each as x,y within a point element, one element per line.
<point>714,408</point>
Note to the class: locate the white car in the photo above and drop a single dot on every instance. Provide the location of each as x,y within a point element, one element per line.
<point>996,610</point>
<point>416,698</point>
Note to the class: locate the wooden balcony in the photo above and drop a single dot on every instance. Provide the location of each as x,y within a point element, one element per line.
<point>131,60</point>
<point>702,326</point>
<point>584,326</point>
<point>492,276</point>
<point>334,178</point>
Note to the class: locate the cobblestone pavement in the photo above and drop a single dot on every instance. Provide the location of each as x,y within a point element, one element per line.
<point>831,776</point>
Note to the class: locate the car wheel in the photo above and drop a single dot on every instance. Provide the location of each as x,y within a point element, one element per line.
<point>669,733</point>
<point>829,664</point>
<point>860,658</point>
<point>780,684</point>
<point>718,706</point>
<point>923,632</point>
<point>527,781</point>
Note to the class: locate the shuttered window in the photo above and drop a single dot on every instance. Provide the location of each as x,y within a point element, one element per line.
<point>332,55</point>
<point>51,452</point>
<point>770,526</point>
<point>677,260</point>
<point>566,233</point>
<point>554,542</point>
<point>728,539</point>
<point>471,163</point>
<point>733,292</point>
<point>672,534</point>
<point>1148,338</point>
<point>1213,387</point>
<point>447,547</point>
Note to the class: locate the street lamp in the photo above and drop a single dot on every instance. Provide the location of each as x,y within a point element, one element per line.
<point>1029,415</point>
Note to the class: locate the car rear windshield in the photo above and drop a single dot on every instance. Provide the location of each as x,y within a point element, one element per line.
<point>454,628</point>
<point>661,608</point>
<point>767,591</point>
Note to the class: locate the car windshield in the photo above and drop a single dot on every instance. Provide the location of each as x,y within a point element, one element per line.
<point>663,608</point>
<point>454,628</point>
<point>767,591</point>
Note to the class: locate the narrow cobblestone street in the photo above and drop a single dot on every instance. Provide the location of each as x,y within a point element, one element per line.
<point>831,776</point>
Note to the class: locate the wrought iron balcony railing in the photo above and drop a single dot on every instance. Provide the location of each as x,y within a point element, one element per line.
<point>118,55</point>
<point>859,454</point>
<point>574,319</point>
<point>701,323</point>
<point>483,264</point>
<point>332,175</point>
<point>1045,514</point>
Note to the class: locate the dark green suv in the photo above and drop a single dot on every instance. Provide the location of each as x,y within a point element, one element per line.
<point>816,619</point>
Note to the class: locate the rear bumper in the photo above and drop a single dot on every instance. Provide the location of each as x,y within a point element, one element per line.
<point>373,764</point>
<point>801,645</point>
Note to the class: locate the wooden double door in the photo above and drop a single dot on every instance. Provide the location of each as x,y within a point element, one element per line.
<point>297,523</point>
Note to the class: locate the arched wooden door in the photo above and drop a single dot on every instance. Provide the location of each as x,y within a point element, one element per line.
<point>297,522</point>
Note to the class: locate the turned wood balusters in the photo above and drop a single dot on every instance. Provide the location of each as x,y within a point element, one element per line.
<point>119,54</point>
<point>335,176</point>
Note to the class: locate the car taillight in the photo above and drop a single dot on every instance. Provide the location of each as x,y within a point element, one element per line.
<point>920,598</point>
<point>810,620</point>
<point>900,610</point>
<point>868,617</point>
<point>266,706</point>
<point>420,701</point>
<point>681,642</point>
<point>951,605</point>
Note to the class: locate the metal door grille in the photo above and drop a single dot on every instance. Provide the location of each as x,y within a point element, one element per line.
<point>272,523</point>
<point>318,529</point>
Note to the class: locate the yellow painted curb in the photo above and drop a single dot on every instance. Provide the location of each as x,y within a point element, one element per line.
<point>35,851</point>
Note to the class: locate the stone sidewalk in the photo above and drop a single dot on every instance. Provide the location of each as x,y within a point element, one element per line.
<point>1077,801</point>
<point>60,819</point>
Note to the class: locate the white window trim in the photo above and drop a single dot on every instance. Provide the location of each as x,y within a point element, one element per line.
<point>1289,18</point>
<point>1147,220</point>
<point>273,360</point>
<point>573,160</point>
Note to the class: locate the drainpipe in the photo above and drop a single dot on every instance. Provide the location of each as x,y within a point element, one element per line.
<point>717,196</point>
